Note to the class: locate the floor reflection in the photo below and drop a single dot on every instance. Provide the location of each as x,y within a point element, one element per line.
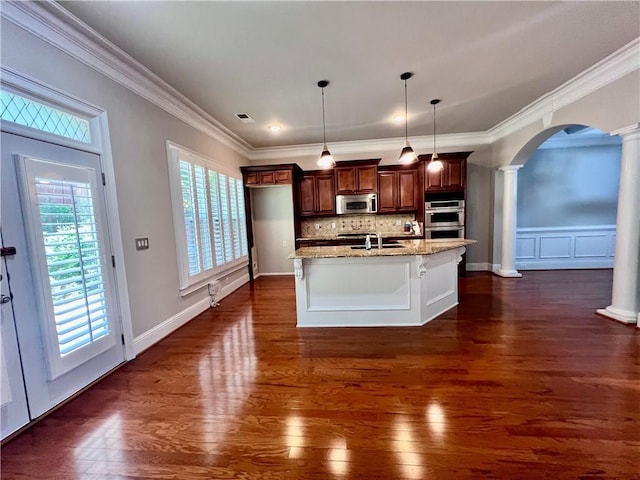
<point>338,459</point>
<point>404,446</point>
<point>437,421</point>
<point>227,376</point>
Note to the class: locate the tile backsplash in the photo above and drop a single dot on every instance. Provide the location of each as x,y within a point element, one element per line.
<point>355,223</point>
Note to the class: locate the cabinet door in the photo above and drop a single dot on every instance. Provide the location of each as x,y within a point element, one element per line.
<point>283,177</point>
<point>407,190</point>
<point>325,194</point>
<point>345,180</point>
<point>387,189</point>
<point>456,174</point>
<point>366,179</point>
<point>267,178</point>
<point>306,195</point>
<point>252,179</point>
<point>436,180</point>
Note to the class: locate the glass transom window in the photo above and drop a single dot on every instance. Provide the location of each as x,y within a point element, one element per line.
<point>32,114</point>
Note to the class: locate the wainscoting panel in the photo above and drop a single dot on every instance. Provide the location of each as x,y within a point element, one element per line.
<point>565,247</point>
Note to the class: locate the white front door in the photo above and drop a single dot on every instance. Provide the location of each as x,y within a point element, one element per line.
<point>61,277</point>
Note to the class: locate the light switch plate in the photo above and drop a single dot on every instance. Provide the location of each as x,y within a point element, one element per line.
<point>142,243</point>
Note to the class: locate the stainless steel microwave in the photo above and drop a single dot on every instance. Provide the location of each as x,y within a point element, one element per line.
<point>356,204</point>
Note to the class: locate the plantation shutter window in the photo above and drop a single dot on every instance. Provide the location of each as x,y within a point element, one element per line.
<point>209,218</point>
<point>68,246</point>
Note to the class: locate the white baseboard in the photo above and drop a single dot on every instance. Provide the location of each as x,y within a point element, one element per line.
<point>160,331</point>
<point>565,265</point>
<point>276,274</point>
<point>479,267</point>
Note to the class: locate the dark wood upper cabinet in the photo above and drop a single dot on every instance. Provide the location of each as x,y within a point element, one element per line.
<point>452,178</point>
<point>266,175</point>
<point>356,176</point>
<point>316,194</point>
<point>326,194</point>
<point>409,193</point>
<point>400,188</point>
<point>387,191</point>
<point>307,195</point>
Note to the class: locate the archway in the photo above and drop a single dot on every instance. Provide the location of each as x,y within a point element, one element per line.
<point>626,285</point>
<point>567,196</point>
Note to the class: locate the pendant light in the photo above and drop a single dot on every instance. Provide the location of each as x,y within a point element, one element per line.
<point>435,165</point>
<point>407,155</point>
<point>326,159</point>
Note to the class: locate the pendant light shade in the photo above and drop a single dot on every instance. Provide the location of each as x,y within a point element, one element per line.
<point>326,159</point>
<point>407,155</point>
<point>435,165</point>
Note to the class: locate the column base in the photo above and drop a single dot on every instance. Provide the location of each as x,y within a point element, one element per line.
<point>508,273</point>
<point>618,315</point>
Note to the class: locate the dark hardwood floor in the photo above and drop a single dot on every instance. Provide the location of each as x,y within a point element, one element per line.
<point>521,381</point>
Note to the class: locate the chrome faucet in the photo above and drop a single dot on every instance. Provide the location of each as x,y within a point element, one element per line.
<point>379,237</point>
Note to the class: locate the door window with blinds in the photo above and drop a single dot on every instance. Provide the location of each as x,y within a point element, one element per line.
<point>68,245</point>
<point>209,217</point>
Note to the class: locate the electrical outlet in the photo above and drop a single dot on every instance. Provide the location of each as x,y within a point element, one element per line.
<point>333,225</point>
<point>317,226</point>
<point>398,223</point>
<point>142,243</point>
<point>284,244</point>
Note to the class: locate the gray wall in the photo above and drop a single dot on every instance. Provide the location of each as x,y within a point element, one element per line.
<point>479,212</point>
<point>138,132</point>
<point>272,211</point>
<point>569,187</point>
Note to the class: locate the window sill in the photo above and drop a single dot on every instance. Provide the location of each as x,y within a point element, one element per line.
<point>214,276</point>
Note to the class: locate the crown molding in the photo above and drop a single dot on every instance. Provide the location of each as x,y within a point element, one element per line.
<point>422,144</point>
<point>55,25</point>
<point>620,63</point>
<point>575,141</point>
<point>629,129</point>
<point>58,27</point>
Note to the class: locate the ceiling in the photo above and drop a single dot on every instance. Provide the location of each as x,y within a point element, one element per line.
<point>485,60</point>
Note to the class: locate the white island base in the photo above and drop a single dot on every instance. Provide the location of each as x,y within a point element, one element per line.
<point>395,290</point>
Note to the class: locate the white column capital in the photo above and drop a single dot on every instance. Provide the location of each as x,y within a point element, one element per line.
<point>510,168</point>
<point>629,130</point>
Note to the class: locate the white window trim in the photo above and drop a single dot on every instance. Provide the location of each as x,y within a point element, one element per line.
<point>188,283</point>
<point>101,144</point>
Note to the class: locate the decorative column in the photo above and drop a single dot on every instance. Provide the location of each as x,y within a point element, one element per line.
<point>625,295</point>
<point>509,214</point>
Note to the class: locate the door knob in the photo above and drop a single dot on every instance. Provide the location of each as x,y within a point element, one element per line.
<point>4,299</point>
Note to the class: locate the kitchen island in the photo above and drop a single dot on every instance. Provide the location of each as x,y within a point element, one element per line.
<point>404,284</point>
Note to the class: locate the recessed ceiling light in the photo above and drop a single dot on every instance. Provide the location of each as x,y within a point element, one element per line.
<point>398,118</point>
<point>274,128</point>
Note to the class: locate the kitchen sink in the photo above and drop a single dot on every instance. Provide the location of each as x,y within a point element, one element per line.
<point>362,247</point>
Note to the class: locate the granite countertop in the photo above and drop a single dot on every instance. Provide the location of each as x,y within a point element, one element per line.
<point>408,247</point>
<point>334,236</point>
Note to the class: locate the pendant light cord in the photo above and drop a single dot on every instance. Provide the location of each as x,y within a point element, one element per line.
<point>324,128</point>
<point>406,128</point>
<point>434,130</point>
